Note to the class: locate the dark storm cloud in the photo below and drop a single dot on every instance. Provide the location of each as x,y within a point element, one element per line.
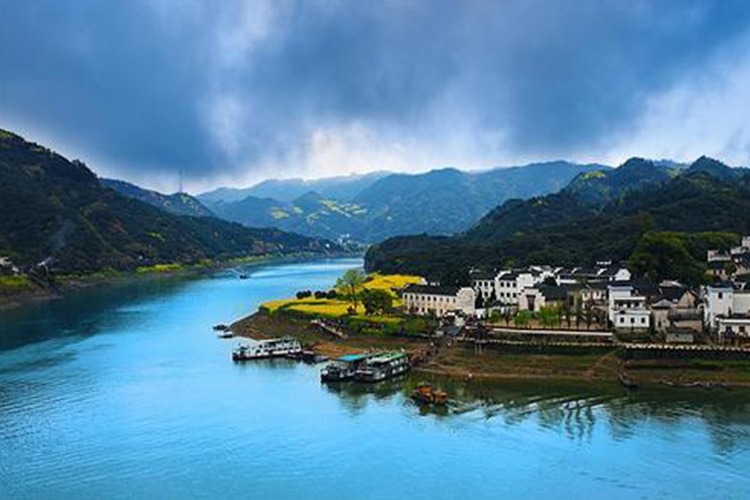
<point>214,86</point>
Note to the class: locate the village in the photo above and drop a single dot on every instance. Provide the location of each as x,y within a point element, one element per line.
<point>607,297</point>
<point>537,322</point>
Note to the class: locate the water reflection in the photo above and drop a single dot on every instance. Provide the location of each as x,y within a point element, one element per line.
<point>572,410</point>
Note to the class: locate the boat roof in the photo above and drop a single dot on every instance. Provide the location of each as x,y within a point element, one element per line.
<point>386,357</point>
<point>350,358</point>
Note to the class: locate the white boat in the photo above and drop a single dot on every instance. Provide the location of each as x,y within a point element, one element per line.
<point>383,366</point>
<point>272,348</point>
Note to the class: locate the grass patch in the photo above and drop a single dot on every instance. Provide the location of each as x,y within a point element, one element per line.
<point>160,268</point>
<point>14,283</point>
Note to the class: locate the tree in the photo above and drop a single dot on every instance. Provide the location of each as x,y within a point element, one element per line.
<point>549,316</point>
<point>352,282</point>
<point>522,318</point>
<point>303,294</point>
<point>377,302</point>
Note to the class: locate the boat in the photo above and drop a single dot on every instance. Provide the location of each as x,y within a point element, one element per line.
<point>343,368</point>
<point>221,327</point>
<point>244,276</point>
<point>225,334</point>
<point>272,348</point>
<point>425,394</point>
<point>383,366</point>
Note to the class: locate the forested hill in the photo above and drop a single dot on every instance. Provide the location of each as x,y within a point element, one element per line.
<point>57,211</point>
<point>592,219</point>
<point>378,206</point>
<point>177,203</point>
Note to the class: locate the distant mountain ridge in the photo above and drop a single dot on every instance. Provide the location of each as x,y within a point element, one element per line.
<point>56,211</point>
<point>343,187</point>
<point>177,203</point>
<point>444,201</point>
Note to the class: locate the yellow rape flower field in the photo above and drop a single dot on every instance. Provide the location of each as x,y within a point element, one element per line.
<point>334,308</point>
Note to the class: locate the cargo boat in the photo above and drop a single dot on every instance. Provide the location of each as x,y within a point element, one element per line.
<point>272,348</point>
<point>382,367</point>
<point>343,368</point>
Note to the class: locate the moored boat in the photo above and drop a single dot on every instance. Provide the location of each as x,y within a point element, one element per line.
<point>425,394</point>
<point>383,366</point>
<point>272,348</point>
<point>343,368</point>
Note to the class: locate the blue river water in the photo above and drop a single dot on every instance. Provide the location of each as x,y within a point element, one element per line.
<point>124,392</point>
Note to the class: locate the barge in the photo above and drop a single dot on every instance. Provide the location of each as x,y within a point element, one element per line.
<point>272,348</point>
<point>382,367</point>
<point>343,368</point>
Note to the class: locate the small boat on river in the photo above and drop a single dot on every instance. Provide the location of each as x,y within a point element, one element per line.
<point>343,368</point>
<point>383,366</point>
<point>271,348</point>
<point>425,394</point>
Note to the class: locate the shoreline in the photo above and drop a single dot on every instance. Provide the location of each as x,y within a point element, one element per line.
<point>461,362</point>
<point>70,283</point>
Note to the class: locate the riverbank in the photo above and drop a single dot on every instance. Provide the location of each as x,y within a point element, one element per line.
<point>12,297</point>
<point>465,361</point>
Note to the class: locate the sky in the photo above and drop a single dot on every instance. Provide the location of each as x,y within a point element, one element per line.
<point>232,92</point>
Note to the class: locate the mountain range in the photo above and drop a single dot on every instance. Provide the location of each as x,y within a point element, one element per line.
<point>58,212</point>
<point>374,207</point>
<point>600,215</point>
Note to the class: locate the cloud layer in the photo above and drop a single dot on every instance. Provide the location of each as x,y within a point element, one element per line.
<point>235,91</point>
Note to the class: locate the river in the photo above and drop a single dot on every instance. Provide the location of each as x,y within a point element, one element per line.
<point>124,392</point>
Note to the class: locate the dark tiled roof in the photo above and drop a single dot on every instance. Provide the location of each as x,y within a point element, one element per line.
<point>553,292</point>
<point>432,290</point>
<point>482,274</point>
<point>673,292</point>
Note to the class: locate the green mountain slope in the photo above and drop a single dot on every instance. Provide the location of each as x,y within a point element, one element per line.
<point>343,188</point>
<point>177,203</point>
<point>57,210</point>
<point>443,201</point>
<point>567,228</point>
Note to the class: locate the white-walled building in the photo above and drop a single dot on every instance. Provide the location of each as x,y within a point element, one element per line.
<point>439,300</point>
<point>626,310</point>
<point>510,284</point>
<point>727,307</point>
<point>483,283</point>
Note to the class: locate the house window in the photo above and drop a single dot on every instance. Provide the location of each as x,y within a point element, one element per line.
<point>721,295</point>
<point>643,320</point>
<point>632,320</point>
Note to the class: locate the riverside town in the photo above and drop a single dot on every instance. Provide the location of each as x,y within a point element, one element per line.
<point>637,331</point>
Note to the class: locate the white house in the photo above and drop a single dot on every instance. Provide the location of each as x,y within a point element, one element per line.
<point>510,284</point>
<point>536,297</point>
<point>743,249</point>
<point>725,307</point>
<point>483,283</point>
<point>439,300</point>
<point>627,311</point>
